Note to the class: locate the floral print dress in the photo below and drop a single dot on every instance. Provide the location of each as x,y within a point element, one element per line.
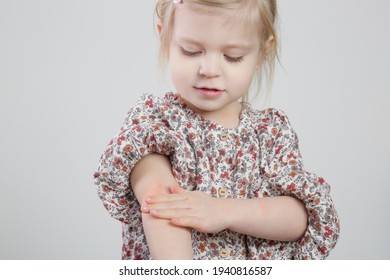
<point>259,158</point>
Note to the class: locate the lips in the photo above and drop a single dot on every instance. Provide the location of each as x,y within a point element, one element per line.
<point>209,92</point>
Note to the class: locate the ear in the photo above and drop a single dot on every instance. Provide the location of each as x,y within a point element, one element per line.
<point>268,46</point>
<point>159,29</point>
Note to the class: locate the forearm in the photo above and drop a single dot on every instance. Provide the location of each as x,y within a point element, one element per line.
<point>167,241</point>
<point>151,176</point>
<point>282,218</point>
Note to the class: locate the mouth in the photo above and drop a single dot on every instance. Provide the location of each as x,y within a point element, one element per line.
<point>209,92</point>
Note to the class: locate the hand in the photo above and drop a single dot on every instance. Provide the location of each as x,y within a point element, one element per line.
<point>194,209</point>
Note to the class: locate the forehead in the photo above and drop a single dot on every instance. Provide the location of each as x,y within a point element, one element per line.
<point>213,26</point>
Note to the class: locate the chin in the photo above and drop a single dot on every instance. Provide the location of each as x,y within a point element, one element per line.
<point>208,108</point>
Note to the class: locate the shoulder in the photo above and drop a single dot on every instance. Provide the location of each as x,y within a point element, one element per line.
<point>150,103</point>
<point>167,110</point>
<point>147,108</point>
<point>275,133</point>
<point>272,127</point>
<point>268,118</point>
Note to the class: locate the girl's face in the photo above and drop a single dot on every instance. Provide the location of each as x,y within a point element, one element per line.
<point>212,59</point>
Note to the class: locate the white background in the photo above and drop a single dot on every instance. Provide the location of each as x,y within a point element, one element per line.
<point>70,70</point>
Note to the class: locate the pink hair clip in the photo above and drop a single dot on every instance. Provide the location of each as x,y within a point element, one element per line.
<point>177,1</point>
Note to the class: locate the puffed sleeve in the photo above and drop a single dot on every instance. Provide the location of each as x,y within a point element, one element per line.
<point>284,171</point>
<point>143,132</point>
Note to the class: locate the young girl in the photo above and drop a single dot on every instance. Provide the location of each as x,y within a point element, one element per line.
<point>233,186</point>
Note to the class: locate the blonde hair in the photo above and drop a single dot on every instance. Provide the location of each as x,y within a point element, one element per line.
<point>262,17</point>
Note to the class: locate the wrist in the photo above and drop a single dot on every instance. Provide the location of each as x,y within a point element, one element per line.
<point>227,214</point>
<point>236,212</point>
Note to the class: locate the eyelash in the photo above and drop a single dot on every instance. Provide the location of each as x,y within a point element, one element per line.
<point>188,53</point>
<point>234,59</point>
<point>228,58</point>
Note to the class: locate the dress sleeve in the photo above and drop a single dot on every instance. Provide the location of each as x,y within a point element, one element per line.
<point>285,174</point>
<point>143,132</point>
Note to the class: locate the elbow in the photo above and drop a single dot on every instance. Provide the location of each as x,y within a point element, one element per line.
<point>321,235</point>
<point>301,222</point>
<point>297,232</point>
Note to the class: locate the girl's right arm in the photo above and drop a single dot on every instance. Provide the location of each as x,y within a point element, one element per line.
<point>145,131</point>
<point>151,176</point>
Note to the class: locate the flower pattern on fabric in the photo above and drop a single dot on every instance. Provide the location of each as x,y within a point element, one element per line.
<point>259,158</point>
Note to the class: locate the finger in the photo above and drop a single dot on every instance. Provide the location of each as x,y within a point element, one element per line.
<point>145,209</point>
<point>179,204</point>
<point>175,188</point>
<point>187,221</point>
<point>168,213</point>
<point>164,198</point>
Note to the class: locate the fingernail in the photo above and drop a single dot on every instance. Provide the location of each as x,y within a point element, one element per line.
<point>145,208</point>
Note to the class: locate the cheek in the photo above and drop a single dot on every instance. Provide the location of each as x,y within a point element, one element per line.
<point>177,76</point>
<point>242,79</point>
<point>181,71</point>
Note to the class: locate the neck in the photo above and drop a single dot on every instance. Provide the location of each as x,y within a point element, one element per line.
<point>228,117</point>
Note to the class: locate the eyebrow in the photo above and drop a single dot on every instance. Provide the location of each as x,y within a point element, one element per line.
<point>227,46</point>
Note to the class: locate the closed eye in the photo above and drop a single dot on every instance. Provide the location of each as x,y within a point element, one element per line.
<point>234,59</point>
<point>227,57</point>
<point>189,53</point>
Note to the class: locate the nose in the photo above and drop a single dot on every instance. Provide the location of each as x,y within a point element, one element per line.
<point>210,66</point>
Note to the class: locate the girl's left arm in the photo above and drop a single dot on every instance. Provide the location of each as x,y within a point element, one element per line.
<point>282,218</point>
<point>284,177</point>
<point>284,174</point>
